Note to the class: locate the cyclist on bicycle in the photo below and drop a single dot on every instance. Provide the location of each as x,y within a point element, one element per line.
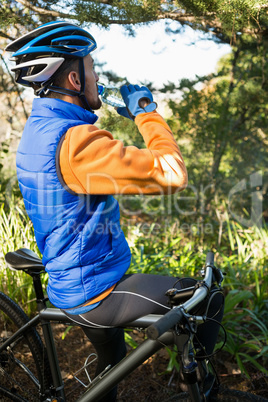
<point>68,171</point>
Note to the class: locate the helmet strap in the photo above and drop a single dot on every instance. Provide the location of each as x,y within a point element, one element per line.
<point>83,84</point>
<point>44,91</point>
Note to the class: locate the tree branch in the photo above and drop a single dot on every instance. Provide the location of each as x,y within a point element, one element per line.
<point>43,11</point>
<point>4,35</point>
<point>190,19</point>
<point>16,86</point>
<point>206,21</point>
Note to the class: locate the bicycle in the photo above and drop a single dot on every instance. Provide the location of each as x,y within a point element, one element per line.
<point>41,380</point>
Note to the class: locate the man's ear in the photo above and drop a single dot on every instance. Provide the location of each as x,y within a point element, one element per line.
<point>74,80</point>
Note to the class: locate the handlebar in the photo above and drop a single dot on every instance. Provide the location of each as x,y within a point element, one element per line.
<point>166,322</point>
<point>210,259</point>
<point>175,315</point>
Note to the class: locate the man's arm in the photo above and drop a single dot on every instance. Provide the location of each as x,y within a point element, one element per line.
<point>93,162</point>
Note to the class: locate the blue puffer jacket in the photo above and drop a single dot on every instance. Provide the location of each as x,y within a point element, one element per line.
<point>84,249</point>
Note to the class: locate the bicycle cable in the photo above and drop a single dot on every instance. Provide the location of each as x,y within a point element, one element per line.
<point>215,292</point>
<point>182,279</point>
<point>207,356</point>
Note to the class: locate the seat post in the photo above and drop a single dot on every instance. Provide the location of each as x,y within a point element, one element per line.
<point>48,338</point>
<point>40,297</point>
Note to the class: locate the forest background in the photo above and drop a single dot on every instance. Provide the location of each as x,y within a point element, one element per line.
<point>220,123</point>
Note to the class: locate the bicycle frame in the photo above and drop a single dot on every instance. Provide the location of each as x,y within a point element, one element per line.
<point>157,328</point>
<point>110,378</point>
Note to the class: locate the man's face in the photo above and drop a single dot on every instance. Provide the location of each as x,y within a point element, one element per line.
<point>91,79</point>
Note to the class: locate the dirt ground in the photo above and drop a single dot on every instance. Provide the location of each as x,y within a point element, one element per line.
<point>149,382</point>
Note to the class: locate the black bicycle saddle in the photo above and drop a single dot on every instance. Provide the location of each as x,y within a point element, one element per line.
<point>24,259</point>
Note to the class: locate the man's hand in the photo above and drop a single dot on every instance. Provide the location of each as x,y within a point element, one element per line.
<point>137,99</point>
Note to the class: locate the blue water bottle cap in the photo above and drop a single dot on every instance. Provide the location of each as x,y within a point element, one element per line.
<point>100,89</point>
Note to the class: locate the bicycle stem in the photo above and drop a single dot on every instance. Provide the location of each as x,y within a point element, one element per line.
<point>200,293</point>
<point>175,315</point>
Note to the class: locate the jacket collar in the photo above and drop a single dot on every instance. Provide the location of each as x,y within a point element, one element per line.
<point>50,107</point>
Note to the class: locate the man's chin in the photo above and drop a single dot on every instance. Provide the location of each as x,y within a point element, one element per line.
<point>97,106</point>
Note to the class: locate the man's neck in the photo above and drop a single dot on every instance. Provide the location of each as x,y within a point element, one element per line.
<point>72,99</point>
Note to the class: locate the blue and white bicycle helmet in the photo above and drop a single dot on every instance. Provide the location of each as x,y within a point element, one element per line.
<point>40,54</point>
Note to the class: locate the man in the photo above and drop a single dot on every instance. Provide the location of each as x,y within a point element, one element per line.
<point>68,171</point>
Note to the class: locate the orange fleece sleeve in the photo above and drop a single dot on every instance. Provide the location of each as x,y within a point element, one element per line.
<point>93,162</point>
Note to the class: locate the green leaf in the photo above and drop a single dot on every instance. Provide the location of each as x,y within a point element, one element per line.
<point>248,358</point>
<point>235,297</point>
<point>130,341</point>
<point>66,331</point>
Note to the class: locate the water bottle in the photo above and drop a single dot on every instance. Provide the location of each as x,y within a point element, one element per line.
<point>111,95</point>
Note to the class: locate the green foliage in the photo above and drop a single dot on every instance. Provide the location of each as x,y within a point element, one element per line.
<point>247,332</point>
<point>9,188</point>
<point>242,256</point>
<point>124,11</point>
<point>13,116</point>
<point>17,232</point>
<point>166,251</point>
<point>121,128</point>
<point>129,340</point>
<point>223,20</point>
<point>15,18</point>
<point>173,362</point>
<point>163,251</point>
<point>248,267</point>
<point>3,179</point>
<point>66,331</point>
<point>245,314</point>
<point>223,124</point>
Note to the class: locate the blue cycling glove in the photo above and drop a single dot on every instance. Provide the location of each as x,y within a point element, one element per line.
<point>132,96</point>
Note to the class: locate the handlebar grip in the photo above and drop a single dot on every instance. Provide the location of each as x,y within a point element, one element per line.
<point>166,322</point>
<point>210,258</point>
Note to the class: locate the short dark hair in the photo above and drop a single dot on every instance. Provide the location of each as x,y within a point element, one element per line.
<point>60,77</point>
